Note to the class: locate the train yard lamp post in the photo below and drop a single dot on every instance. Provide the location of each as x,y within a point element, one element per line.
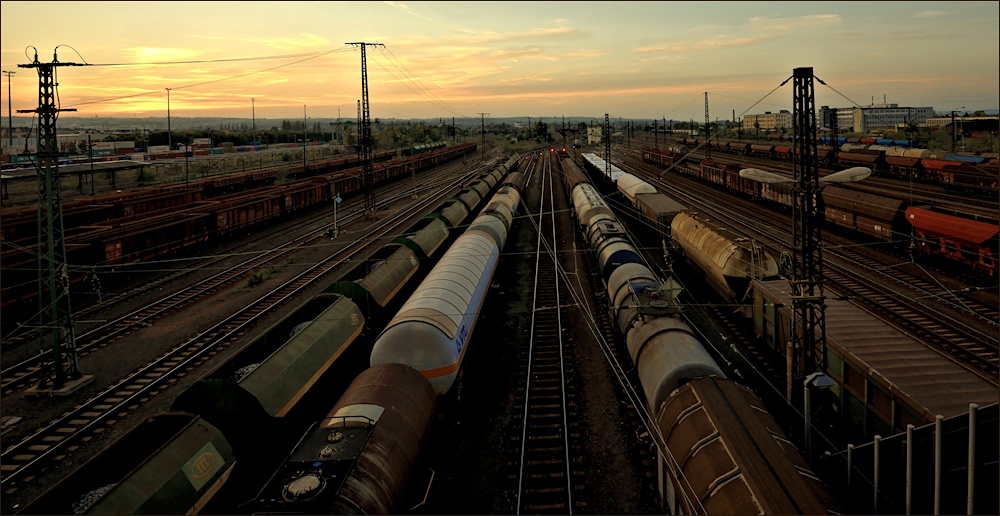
<point>954,137</point>
<point>170,141</point>
<point>10,115</point>
<point>818,380</point>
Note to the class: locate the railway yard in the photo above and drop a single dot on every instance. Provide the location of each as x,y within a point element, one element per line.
<point>540,333</point>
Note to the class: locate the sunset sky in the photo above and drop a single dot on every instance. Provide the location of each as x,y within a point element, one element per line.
<point>509,59</point>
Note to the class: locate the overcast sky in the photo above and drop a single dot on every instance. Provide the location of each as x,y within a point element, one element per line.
<point>506,58</point>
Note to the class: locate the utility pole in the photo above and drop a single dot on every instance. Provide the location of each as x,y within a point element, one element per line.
<point>305,133</point>
<point>564,131</point>
<point>358,131</point>
<point>808,353</point>
<point>90,155</point>
<point>708,131</point>
<point>656,136</point>
<point>482,130</point>
<point>834,135</point>
<point>253,118</point>
<point>607,145</point>
<point>954,132</point>
<point>368,154</point>
<point>170,141</point>
<point>60,369</point>
<point>10,116</point>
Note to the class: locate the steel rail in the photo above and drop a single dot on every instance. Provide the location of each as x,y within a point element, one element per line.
<point>977,347</point>
<point>23,372</point>
<point>36,450</point>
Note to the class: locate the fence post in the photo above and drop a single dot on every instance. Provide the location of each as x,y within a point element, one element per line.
<point>850,464</point>
<point>878,442</point>
<point>972,458</point>
<point>937,464</point>
<point>909,467</point>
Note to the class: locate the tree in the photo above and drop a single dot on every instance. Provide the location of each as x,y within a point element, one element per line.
<point>911,130</point>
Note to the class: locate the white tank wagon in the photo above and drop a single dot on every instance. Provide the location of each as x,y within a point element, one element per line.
<point>665,351</point>
<point>630,186</point>
<point>729,260</point>
<point>431,332</point>
<point>588,203</point>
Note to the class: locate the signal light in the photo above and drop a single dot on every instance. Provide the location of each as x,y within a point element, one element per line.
<point>564,149</point>
<point>552,150</point>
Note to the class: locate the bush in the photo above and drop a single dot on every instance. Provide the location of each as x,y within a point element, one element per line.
<point>258,276</point>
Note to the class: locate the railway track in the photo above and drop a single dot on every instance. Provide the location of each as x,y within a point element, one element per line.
<point>855,273</point>
<point>20,463</point>
<point>10,342</point>
<point>26,371</point>
<point>918,191</point>
<point>545,481</point>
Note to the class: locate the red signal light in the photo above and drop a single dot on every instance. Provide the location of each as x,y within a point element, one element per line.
<point>552,150</point>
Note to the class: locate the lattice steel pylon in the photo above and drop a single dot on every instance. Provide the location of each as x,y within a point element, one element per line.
<point>809,345</point>
<point>367,153</point>
<point>54,310</point>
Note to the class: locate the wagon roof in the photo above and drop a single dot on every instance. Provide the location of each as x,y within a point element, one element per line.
<point>973,231</point>
<point>906,366</point>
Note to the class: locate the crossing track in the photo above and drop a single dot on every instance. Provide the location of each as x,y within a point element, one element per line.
<point>25,372</point>
<point>545,478</point>
<point>20,463</point>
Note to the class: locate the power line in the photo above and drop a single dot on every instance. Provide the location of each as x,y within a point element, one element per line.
<point>422,95</point>
<point>748,100</point>
<point>212,81</point>
<point>682,105</point>
<point>766,96</point>
<point>225,60</point>
<point>835,91</point>
<point>418,80</point>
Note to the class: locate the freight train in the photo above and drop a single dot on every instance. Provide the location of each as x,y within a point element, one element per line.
<point>729,260</point>
<point>174,463</point>
<point>358,459</point>
<point>973,244</point>
<point>722,452</point>
<point>877,370</point>
<point>170,219</point>
<point>977,175</point>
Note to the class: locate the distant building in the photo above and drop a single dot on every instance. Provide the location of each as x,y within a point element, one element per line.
<point>769,120</point>
<point>874,117</point>
<point>971,126</point>
<point>594,133</point>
